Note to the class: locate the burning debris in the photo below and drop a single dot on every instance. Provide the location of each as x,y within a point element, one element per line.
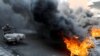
<point>95,32</point>
<point>71,22</point>
<point>78,48</point>
<point>58,17</point>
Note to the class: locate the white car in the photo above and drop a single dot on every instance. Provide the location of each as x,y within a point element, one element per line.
<point>14,37</point>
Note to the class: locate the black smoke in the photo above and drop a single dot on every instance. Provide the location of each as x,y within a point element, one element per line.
<point>16,14</point>
<point>54,16</point>
<point>47,13</point>
<point>49,17</point>
<point>8,16</point>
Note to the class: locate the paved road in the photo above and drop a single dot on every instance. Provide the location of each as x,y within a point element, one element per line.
<point>33,46</point>
<point>4,52</point>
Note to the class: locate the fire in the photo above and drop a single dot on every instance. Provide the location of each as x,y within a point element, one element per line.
<point>95,32</point>
<point>78,48</point>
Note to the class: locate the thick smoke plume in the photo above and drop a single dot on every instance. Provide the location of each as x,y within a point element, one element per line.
<point>51,15</point>
<point>8,16</point>
<point>16,14</point>
<point>54,15</point>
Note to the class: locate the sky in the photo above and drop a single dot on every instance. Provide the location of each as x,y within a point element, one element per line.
<point>94,0</point>
<point>80,3</point>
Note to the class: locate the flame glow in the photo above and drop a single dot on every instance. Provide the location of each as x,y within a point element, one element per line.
<point>95,32</point>
<point>78,48</point>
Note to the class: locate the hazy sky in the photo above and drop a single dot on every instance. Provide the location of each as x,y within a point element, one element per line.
<point>94,0</point>
<point>80,3</point>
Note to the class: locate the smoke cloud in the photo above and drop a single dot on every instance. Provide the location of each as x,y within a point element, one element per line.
<point>48,17</point>
<point>16,13</point>
<point>51,13</point>
<point>8,16</point>
<point>60,18</point>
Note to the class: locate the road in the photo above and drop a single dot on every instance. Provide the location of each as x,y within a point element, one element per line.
<point>32,46</point>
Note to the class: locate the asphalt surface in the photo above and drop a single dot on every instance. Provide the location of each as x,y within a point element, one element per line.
<point>35,46</point>
<point>32,46</point>
<point>5,52</point>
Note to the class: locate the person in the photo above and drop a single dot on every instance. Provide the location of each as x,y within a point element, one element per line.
<point>7,29</point>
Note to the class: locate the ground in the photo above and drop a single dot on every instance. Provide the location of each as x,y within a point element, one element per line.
<point>31,46</point>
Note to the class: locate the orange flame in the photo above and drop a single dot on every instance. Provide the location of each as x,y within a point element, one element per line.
<point>78,48</point>
<point>95,32</point>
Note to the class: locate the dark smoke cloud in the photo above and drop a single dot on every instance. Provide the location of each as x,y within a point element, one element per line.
<point>16,13</point>
<point>85,19</point>
<point>54,15</point>
<point>50,16</point>
<point>23,7</point>
<point>58,18</point>
<point>82,19</point>
<point>7,15</point>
